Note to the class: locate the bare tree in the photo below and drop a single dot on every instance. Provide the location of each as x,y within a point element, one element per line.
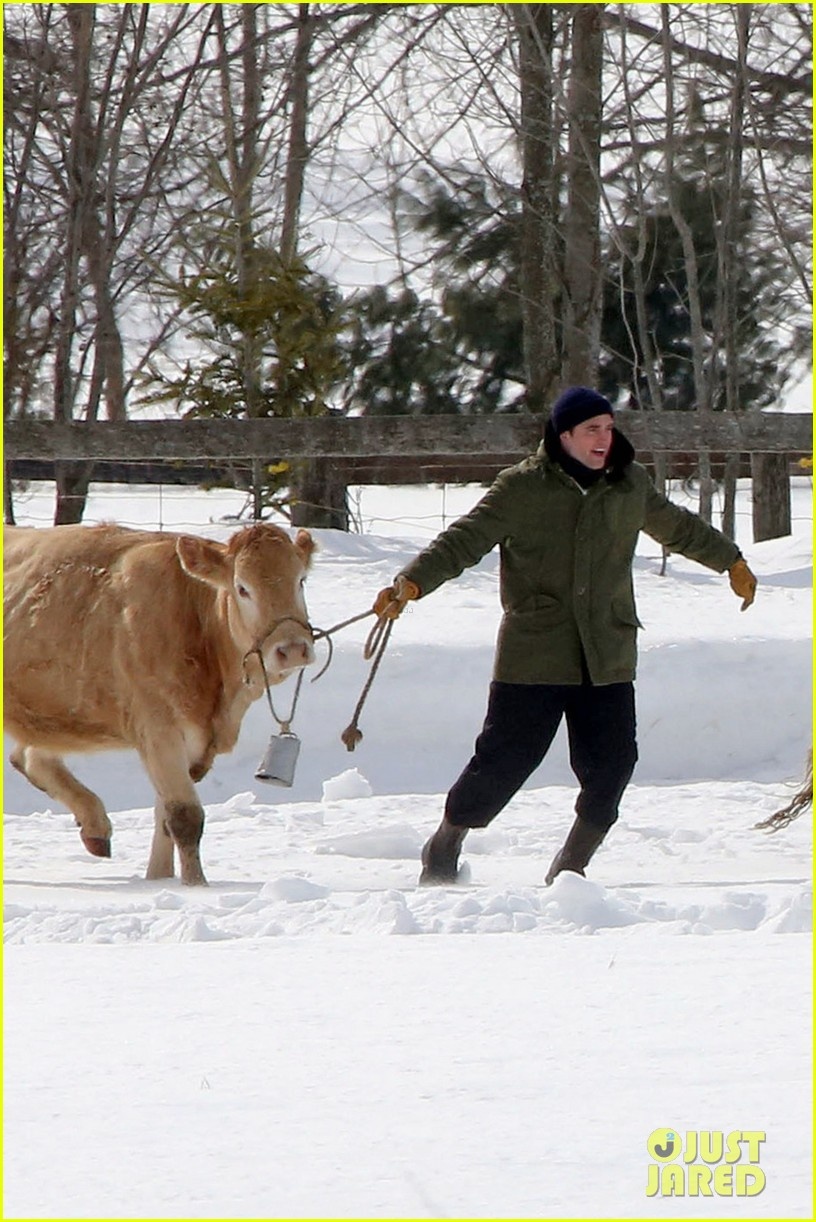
<point>298,147</point>
<point>539,277</point>
<point>87,139</point>
<point>241,251</point>
<point>726,322</point>
<point>681,224</point>
<point>632,168</point>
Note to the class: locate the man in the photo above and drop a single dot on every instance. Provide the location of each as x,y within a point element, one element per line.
<point>566,521</point>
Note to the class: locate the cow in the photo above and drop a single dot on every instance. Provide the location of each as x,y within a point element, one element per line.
<point>118,638</point>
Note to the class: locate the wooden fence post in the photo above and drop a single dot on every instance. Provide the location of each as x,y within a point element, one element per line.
<point>770,486</point>
<point>320,494</point>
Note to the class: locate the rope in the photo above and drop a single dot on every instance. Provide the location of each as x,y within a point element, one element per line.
<point>375,646</point>
<point>285,726</point>
<point>319,633</point>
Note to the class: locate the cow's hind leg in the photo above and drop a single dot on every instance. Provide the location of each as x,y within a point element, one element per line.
<point>48,773</point>
<point>179,814</point>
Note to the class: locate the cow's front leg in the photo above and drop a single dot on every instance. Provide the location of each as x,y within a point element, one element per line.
<point>186,823</point>
<point>179,814</point>
<point>160,864</point>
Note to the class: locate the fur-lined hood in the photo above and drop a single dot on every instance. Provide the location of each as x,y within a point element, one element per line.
<point>621,455</point>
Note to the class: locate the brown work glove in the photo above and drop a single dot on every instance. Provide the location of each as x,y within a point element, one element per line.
<point>743,583</point>
<point>391,601</point>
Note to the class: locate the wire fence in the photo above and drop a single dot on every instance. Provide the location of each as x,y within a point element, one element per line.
<point>416,510</point>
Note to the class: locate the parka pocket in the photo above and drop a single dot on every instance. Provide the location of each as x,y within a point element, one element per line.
<point>540,609</point>
<point>624,611</point>
<point>545,602</point>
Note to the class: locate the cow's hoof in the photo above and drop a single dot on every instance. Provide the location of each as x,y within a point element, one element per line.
<point>194,880</point>
<point>97,846</point>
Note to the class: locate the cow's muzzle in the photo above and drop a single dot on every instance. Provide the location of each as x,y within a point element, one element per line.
<point>291,652</point>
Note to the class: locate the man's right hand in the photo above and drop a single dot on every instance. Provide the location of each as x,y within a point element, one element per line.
<point>392,601</point>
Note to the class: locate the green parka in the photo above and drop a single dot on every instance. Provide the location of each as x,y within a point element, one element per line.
<point>566,562</point>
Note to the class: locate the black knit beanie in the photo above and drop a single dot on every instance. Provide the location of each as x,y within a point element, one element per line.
<point>577,404</point>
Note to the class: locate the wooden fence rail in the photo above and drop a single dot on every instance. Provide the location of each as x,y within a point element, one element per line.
<point>505,437</point>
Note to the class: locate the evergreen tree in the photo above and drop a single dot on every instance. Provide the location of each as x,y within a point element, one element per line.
<point>400,355</point>
<point>458,348</point>
<point>265,344</point>
<point>666,293</point>
<point>289,317</point>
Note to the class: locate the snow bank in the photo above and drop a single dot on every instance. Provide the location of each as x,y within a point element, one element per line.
<point>685,860</point>
<point>313,1035</point>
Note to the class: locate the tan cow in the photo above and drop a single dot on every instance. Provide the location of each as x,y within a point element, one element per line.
<point>121,638</point>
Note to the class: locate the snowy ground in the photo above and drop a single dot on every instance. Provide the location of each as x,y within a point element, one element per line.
<point>262,1048</point>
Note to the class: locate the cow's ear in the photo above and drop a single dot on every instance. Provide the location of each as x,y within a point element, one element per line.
<point>205,560</point>
<point>305,545</point>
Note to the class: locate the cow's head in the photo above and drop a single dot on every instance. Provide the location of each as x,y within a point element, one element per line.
<point>261,574</point>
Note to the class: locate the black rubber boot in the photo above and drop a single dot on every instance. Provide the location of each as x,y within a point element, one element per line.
<point>440,854</point>
<point>582,840</point>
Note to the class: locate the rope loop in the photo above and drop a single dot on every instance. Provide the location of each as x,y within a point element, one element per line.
<point>381,629</point>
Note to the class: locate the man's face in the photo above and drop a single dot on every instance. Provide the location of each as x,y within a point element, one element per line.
<point>590,442</point>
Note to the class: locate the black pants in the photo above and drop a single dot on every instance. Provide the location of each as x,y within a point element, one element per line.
<point>521,723</point>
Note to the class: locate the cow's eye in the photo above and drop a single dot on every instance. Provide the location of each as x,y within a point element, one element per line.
<point>243,592</point>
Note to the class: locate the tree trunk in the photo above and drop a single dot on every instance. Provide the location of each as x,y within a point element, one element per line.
<point>582,236</point>
<point>729,513</point>
<point>81,19</point>
<point>636,254</point>
<point>728,256</point>
<point>698,337</point>
<point>241,138</point>
<point>109,349</point>
<point>298,151</point>
<point>319,497</point>
<point>705,507</point>
<point>770,481</point>
<point>539,280</point>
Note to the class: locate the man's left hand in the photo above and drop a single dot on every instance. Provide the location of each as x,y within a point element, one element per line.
<point>743,583</point>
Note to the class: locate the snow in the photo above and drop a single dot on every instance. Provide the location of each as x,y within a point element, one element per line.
<point>348,784</point>
<point>314,1035</point>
